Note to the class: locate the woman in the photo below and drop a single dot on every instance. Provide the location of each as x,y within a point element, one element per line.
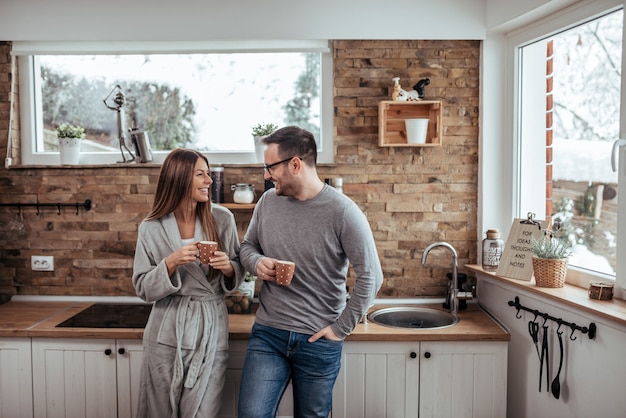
<point>186,337</point>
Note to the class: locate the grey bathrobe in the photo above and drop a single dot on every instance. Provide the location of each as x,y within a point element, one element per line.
<point>186,337</point>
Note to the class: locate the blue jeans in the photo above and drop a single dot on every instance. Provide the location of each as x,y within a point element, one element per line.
<point>273,358</point>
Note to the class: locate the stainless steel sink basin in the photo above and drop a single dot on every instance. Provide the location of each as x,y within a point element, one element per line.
<point>412,317</point>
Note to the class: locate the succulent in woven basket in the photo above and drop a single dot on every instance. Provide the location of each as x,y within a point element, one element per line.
<point>550,245</point>
<point>550,258</point>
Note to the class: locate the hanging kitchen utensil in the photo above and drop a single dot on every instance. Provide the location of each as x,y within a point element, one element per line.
<point>545,358</point>
<point>556,383</point>
<point>533,330</point>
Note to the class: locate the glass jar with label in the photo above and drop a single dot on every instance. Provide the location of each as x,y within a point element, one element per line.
<point>492,250</point>
<point>243,193</point>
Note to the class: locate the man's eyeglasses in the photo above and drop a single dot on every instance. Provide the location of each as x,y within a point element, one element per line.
<point>269,167</point>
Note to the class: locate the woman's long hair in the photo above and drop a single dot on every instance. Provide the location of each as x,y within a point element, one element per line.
<point>174,189</point>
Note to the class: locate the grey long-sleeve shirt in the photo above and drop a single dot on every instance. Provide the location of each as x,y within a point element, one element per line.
<point>321,236</point>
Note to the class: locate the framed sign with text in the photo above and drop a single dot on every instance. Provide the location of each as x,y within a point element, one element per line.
<point>516,259</point>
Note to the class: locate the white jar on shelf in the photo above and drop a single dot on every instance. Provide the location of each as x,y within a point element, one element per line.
<point>242,193</point>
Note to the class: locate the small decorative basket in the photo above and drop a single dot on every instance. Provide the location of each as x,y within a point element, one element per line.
<point>550,272</point>
<point>240,301</point>
<point>601,290</point>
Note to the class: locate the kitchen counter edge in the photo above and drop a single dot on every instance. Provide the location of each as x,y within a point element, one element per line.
<point>39,319</point>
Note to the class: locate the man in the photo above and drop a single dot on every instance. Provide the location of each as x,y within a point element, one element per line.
<point>299,330</point>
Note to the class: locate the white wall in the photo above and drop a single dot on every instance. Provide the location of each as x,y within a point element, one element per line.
<point>188,20</point>
<point>181,20</point>
<point>506,15</point>
<point>594,371</point>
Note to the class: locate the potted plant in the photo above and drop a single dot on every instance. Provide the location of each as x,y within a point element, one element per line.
<point>550,258</point>
<point>263,129</point>
<point>70,137</point>
<point>259,132</point>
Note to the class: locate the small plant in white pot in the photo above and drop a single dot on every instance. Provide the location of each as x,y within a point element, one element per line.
<point>70,137</point>
<point>259,132</point>
<point>550,258</point>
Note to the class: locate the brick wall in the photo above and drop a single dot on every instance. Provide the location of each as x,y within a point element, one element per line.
<point>412,196</point>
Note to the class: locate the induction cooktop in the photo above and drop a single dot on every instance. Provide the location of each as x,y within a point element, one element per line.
<point>110,315</point>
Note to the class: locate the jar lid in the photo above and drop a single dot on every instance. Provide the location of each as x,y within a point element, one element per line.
<point>242,186</point>
<point>217,168</point>
<point>493,233</point>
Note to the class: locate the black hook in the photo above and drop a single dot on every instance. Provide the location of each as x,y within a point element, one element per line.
<point>517,314</point>
<point>545,319</point>
<point>37,208</point>
<point>560,322</point>
<point>76,208</point>
<point>58,209</point>
<point>571,336</point>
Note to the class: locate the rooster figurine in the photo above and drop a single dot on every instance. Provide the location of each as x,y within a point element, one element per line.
<point>416,94</point>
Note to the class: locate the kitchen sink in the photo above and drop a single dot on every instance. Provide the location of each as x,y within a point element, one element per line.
<point>111,315</point>
<point>412,317</point>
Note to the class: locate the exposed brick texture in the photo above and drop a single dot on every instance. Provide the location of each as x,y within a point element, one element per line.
<point>411,196</point>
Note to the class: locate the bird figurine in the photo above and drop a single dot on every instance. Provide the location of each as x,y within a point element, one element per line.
<point>419,87</point>
<point>401,95</point>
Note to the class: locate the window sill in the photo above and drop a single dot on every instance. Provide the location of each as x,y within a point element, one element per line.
<point>134,165</point>
<point>574,296</point>
<point>111,165</point>
<point>81,166</point>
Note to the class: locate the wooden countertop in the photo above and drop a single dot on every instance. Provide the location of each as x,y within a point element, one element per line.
<point>39,319</point>
<point>474,325</point>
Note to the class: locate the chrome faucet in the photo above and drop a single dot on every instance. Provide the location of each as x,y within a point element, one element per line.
<point>452,287</point>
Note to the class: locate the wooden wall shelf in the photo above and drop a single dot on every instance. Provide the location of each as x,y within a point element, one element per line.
<point>238,206</point>
<point>391,117</point>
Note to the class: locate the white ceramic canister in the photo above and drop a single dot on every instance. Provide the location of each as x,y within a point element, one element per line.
<point>416,130</point>
<point>242,193</point>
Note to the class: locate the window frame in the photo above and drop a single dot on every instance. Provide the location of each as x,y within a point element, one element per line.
<point>30,90</point>
<point>513,42</point>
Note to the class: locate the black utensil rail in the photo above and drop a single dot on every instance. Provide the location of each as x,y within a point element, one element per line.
<point>589,330</point>
<point>85,205</point>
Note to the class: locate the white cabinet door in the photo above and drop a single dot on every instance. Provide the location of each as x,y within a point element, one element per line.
<point>129,360</point>
<point>427,379</point>
<point>378,379</point>
<point>16,390</point>
<point>74,378</point>
<point>463,379</point>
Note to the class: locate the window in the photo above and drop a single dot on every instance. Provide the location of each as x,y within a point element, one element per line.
<point>206,97</point>
<point>568,118</point>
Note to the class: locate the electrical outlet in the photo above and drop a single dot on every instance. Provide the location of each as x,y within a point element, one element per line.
<point>42,263</point>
